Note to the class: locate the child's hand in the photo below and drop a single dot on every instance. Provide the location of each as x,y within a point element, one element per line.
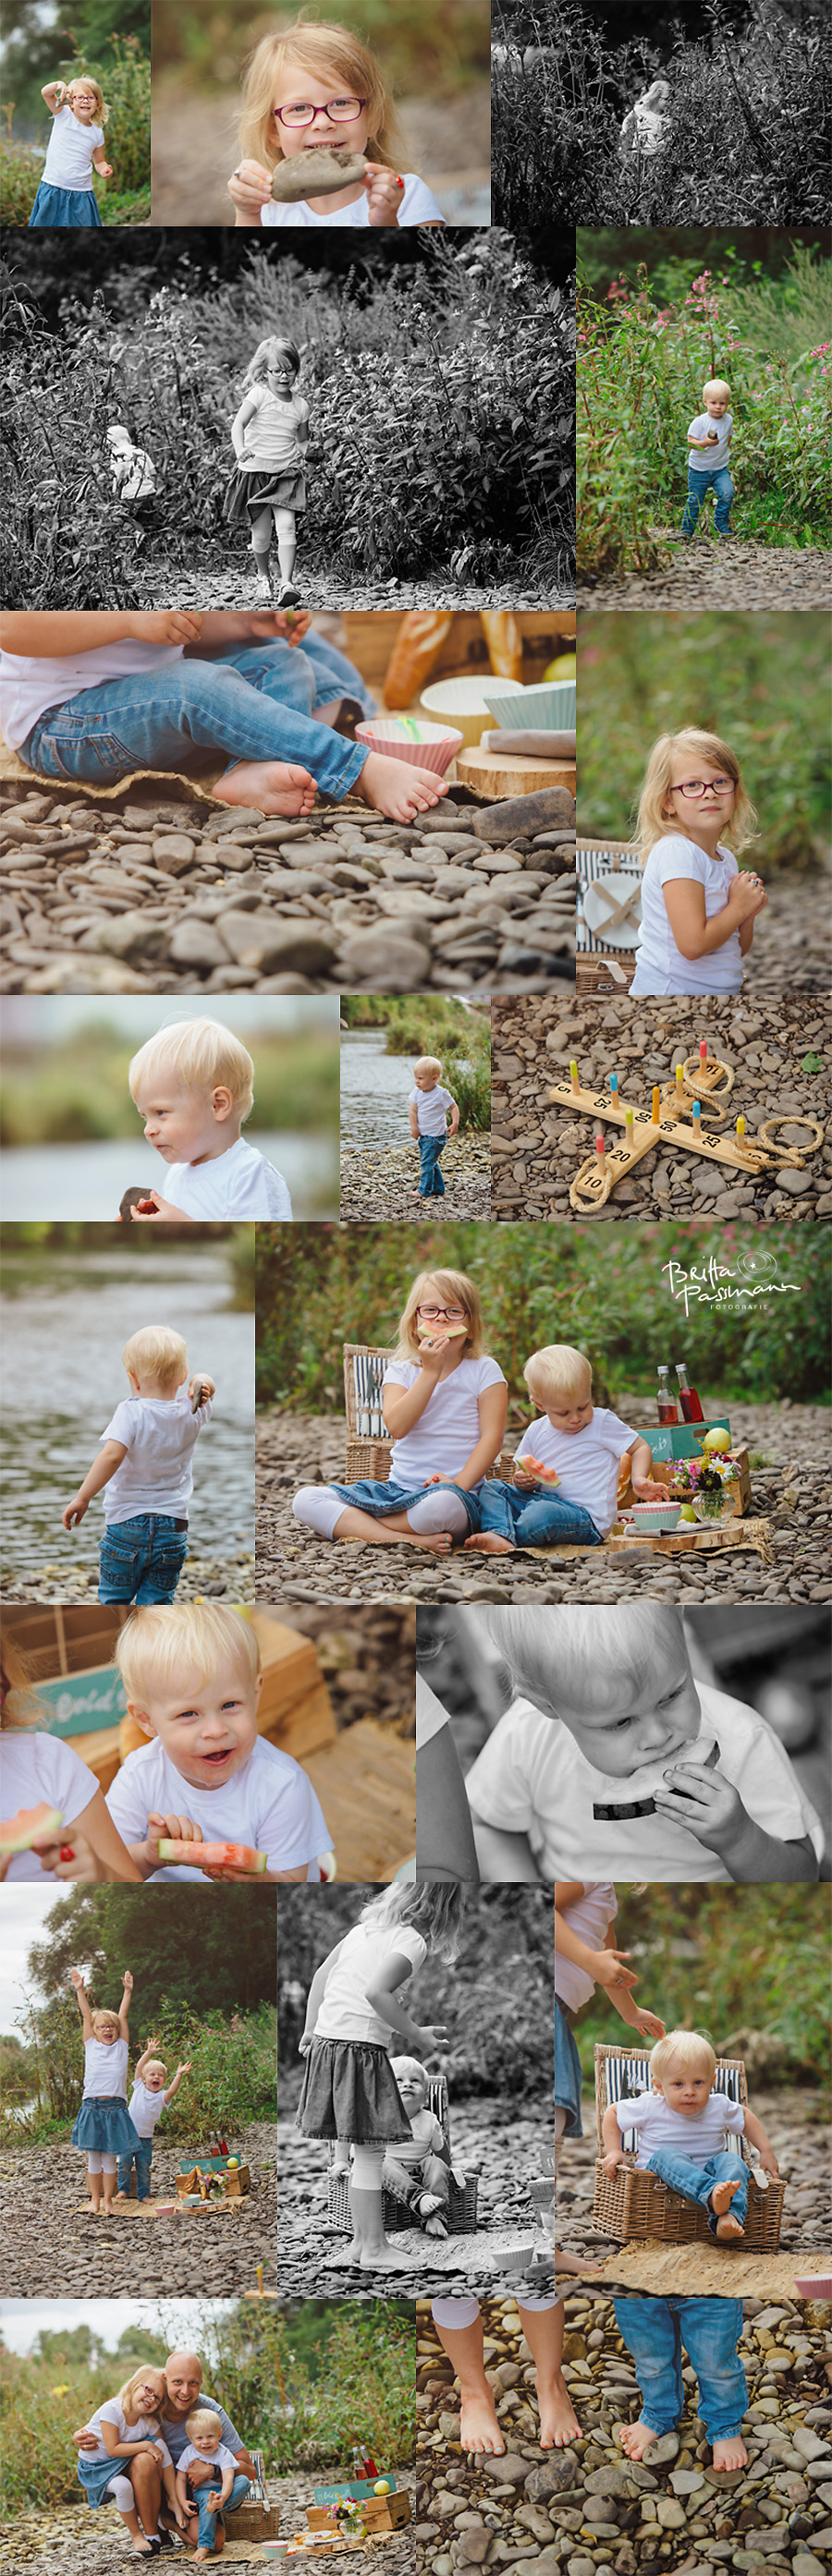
<point>76,1980</point>
<point>525,1483</point>
<point>705,1802</point>
<point>648,1490</point>
<point>105,169</point>
<point>649,2025</point>
<point>159,1207</point>
<point>748,896</point>
<point>74,1512</point>
<point>207,1384</point>
<point>173,1829</point>
<point>431,1356</point>
<point>384,194</point>
<point>71,1857</point>
<point>127,1982</point>
<point>769,2163</point>
<point>167,625</point>
<point>305,2043</point>
<point>613,2158</point>
<point>250,189</point>
<point>186,2069</point>
<point>212,2500</point>
<point>434,2038</point>
<point>609,1969</point>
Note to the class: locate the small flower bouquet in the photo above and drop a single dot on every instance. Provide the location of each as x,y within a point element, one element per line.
<point>704,1482</point>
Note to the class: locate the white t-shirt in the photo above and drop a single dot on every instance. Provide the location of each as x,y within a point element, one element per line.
<point>68,161</point>
<point>133,473</point>
<point>344,2012</point>
<point>35,1767</point>
<point>530,1778</point>
<point>585,1461</point>
<point>431,1107</point>
<point>145,2107</point>
<point>700,460</point>
<point>417,207</point>
<point>442,1441</point>
<point>145,2430</point>
<point>176,2433</point>
<point>698,2137</point>
<point>105,2071</point>
<point>239,1183</point>
<point>643,130</point>
<point>31,682</point>
<point>219,2459</point>
<point>269,1803</point>
<point>160,1439</point>
<point>660,966</point>
<point>590,1917</point>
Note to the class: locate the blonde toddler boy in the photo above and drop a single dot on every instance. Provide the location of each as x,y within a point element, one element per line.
<point>149,2098</point>
<point>579,1446</point>
<point>681,2125</point>
<point>145,1470</point>
<point>192,1681</point>
<point>709,441</point>
<point>193,1084</point>
<point>205,2443</point>
<point>428,1106</point>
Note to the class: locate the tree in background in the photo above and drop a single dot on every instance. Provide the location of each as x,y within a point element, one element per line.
<point>34,54</point>
<point>183,1948</point>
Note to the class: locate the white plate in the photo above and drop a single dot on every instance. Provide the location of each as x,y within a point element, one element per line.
<point>597,913</point>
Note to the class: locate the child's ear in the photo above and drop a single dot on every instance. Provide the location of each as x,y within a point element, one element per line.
<point>140,1717</point>
<point>257,1689</point>
<point>221,1101</point>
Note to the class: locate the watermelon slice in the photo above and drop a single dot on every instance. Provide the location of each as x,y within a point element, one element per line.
<point>530,1466</point>
<point>31,1825</point>
<point>215,1856</point>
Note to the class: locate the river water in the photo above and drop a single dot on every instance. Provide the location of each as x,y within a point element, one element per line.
<point>375,1090</point>
<point>66,1318</point>
<point>88,1180</point>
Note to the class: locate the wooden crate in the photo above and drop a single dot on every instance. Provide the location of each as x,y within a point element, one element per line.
<point>68,1653</point>
<point>295,1710</point>
<point>381,2513</point>
<point>364,1777</point>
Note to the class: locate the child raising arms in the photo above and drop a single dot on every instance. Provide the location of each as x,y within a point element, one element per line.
<point>698,908</point>
<point>103,2129</point>
<point>311,88</point>
<point>66,197</point>
<point>353,2009</point>
<point>445,1404</point>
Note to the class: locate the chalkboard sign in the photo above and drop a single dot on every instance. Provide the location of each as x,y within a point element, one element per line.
<point>82,1703</point>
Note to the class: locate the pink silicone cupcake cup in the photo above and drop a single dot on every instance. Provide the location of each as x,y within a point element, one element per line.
<point>436,754</point>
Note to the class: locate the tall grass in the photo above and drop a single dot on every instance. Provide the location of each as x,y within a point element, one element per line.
<point>747,139</point>
<point>123,199</point>
<point>441,400</point>
<point>641,368</point>
<point>231,2081</point>
<point>436,1027</point>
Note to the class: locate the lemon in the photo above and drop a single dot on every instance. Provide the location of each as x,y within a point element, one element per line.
<point>382,2486</point>
<point>563,667</point>
<point>717,1442</point>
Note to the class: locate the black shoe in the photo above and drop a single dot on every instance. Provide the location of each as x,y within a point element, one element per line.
<point>287,596</point>
<point>165,2539</point>
<point>350,713</point>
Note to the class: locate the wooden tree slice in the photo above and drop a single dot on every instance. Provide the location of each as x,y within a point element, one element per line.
<point>504,773</point>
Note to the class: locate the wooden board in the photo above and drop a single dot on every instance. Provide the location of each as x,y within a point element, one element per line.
<point>510,773</point>
<point>366,1783</point>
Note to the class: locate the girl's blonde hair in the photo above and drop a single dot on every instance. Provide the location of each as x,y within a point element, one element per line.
<point>202,1054</point>
<point>429,1906</point>
<point>326,52</point>
<point>104,2013</point>
<point>138,2378</point>
<point>21,1706</point>
<point>84,80</point>
<point>692,2049</point>
<point>155,1352</point>
<point>258,364</point>
<point>454,1289</point>
<point>652,821</point>
<point>154,1646</point>
<point>558,1370</point>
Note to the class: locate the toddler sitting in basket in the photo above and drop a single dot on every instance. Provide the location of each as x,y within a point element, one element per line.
<point>418,2174</point>
<point>680,2126</point>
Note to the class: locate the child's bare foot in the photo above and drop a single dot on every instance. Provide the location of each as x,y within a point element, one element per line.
<point>388,2258</point>
<point>721,2198</point>
<point>396,789</point>
<point>635,2439</point>
<point>730,2454</point>
<point>489,1543</point>
<point>558,2420</point>
<point>272,786</point>
<point>478,2426</point>
<point>571,2262</point>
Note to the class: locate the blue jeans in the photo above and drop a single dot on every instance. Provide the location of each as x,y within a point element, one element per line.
<point>252,704</point>
<point>698,484</point>
<point>142,2157</point>
<point>431,1184</point>
<point>141,1560</point>
<point>655,2332</point>
<point>696,2182</point>
<point>540,1519</point>
<point>208,2521</point>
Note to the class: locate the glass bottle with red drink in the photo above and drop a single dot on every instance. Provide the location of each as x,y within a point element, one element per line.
<point>665,1400</point>
<point>688,1398</point>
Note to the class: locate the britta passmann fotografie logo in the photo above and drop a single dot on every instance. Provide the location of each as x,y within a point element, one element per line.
<point>728,1283</point>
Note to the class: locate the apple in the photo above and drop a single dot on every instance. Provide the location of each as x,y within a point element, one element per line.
<point>232,2163</point>
<point>717,1443</point>
<point>687,1512</point>
<point>382,2486</point>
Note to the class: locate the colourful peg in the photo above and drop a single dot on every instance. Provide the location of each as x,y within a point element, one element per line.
<point>601,1152</point>
<point>703,1050</point>
<point>740,1130</point>
<point>680,1083</point>
<point>573,1071</point>
<point>656,1111</point>
<point>628,1125</point>
<point>697,1119</point>
<point>614,1085</point>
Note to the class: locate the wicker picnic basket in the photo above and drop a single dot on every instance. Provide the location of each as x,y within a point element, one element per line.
<point>368,1442</point>
<point>629,2204</point>
<point>462,2203</point>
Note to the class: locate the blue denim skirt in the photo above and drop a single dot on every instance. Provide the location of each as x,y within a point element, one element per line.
<point>105,2128</point>
<point>567,2074</point>
<point>67,209</point>
<point>97,2477</point>
<point>382,1495</point>
<point>349,2090</point>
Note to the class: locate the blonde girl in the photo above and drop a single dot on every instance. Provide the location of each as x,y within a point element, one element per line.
<point>309,86</point>
<point>444,1403</point>
<point>128,2462</point>
<point>269,434</point>
<point>38,1769</point>
<point>353,2012</point>
<point>66,197</point>
<point>103,2129</point>
<point>698,908</point>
